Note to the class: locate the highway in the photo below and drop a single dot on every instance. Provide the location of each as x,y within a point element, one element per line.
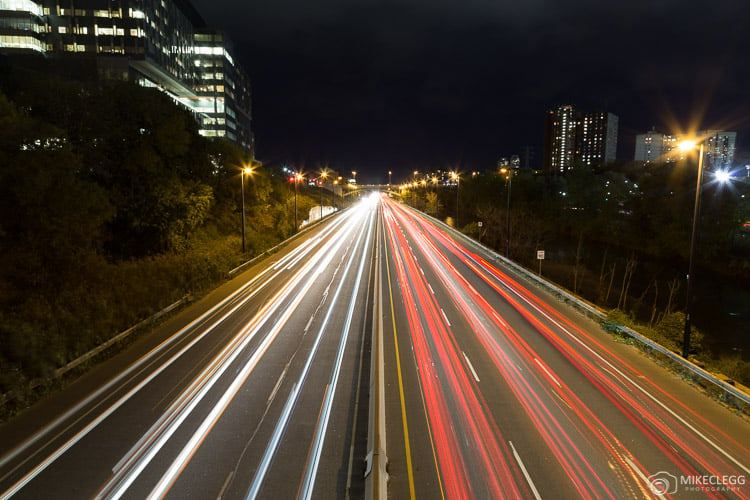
<point>259,396</point>
<point>493,388</point>
<point>503,392</point>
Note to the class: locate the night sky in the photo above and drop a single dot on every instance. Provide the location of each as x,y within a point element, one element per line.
<point>426,84</point>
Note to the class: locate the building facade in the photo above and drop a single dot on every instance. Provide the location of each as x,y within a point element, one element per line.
<point>156,43</point>
<point>652,147</point>
<point>574,137</point>
<point>655,147</point>
<point>596,143</point>
<point>560,130</point>
<point>22,26</point>
<point>224,98</point>
<point>719,148</point>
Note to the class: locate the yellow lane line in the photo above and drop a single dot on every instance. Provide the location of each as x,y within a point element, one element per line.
<point>407,446</point>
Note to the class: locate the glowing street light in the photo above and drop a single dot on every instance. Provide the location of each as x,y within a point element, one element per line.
<point>249,171</point>
<point>689,146</point>
<point>723,176</point>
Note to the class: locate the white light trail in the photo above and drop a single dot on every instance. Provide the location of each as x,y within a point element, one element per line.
<point>110,387</point>
<point>283,422</point>
<point>312,269</point>
<point>311,469</point>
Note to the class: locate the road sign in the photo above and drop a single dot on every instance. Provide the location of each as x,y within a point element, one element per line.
<point>540,254</point>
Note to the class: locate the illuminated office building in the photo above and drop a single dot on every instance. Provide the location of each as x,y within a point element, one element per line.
<point>223,99</point>
<point>22,27</point>
<point>156,43</point>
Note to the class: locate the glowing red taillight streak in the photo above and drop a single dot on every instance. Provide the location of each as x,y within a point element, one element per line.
<point>438,359</point>
<point>663,428</point>
<point>581,473</point>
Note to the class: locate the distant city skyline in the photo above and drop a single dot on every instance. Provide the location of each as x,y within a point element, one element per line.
<point>414,84</point>
<point>411,84</point>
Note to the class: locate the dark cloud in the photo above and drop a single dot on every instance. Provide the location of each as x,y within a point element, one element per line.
<point>435,82</point>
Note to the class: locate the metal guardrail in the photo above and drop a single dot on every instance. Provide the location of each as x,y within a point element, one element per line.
<point>271,250</point>
<point>39,382</point>
<point>730,392</point>
<point>120,336</point>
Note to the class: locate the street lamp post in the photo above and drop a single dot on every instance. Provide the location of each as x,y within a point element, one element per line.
<point>297,178</point>
<point>435,192</point>
<point>693,238</point>
<point>507,211</point>
<point>323,176</point>
<point>245,170</point>
<point>457,178</point>
<point>389,178</point>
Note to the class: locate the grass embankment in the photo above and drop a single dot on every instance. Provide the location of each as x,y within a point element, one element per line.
<point>44,333</point>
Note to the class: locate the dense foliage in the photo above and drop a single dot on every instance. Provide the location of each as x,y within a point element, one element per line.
<point>111,207</point>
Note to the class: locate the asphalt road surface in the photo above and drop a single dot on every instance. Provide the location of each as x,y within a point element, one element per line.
<point>498,390</point>
<point>493,389</point>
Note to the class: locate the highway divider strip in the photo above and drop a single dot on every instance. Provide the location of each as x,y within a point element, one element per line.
<point>376,462</point>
